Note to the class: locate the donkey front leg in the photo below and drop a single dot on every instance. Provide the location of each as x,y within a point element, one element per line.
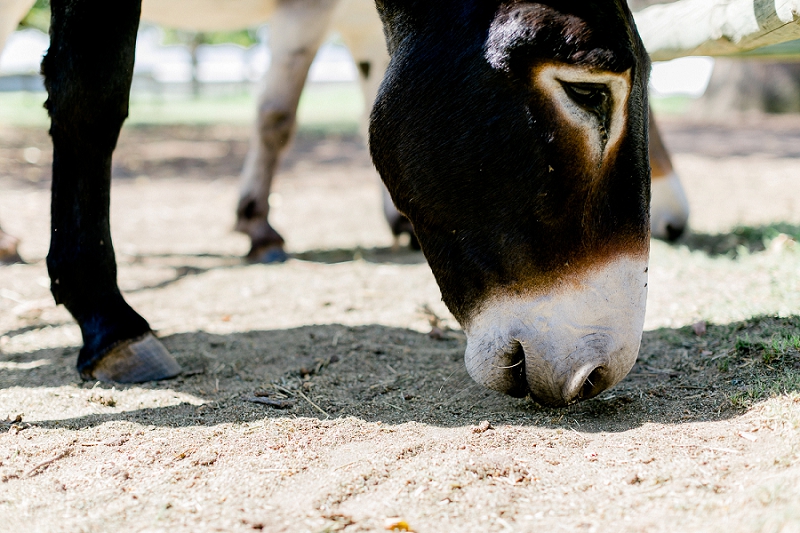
<point>669,208</point>
<point>88,71</point>
<point>296,32</point>
<point>362,31</point>
<point>11,12</point>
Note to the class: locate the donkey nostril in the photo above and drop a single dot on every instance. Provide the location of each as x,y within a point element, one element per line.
<point>594,384</point>
<point>519,387</point>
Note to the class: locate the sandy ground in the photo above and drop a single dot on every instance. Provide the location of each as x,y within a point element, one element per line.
<point>371,422</point>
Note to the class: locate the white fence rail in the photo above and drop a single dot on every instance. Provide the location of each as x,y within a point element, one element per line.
<point>673,30</point>
<point>716,27</point>
<point>163,65</point>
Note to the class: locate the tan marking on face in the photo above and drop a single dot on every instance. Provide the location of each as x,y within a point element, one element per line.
<point>570,277</point>
<point>599,140</point>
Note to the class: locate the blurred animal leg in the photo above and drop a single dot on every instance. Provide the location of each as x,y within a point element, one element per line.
<point>296,33</point>
<point>669,208</point>
<point>362,32</point>
<point>8,249</point>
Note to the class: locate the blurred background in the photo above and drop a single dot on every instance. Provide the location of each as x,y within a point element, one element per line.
<point>733,132</point>
<point>731,126</point>
<point>183,77</point>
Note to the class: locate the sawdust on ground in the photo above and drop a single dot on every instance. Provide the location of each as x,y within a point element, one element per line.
<point>319,396</point>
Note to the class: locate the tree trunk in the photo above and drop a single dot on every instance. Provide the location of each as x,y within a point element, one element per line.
<point>751,86</point>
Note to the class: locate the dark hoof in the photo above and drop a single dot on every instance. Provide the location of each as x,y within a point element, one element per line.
<point>402,225</point>
<point>266,244</point>
<point>135,361</point>
<point>10,259</point>
<point>413,243</point>
<point>675,232</point>
<point>8,249</point>
<point>268,255</point>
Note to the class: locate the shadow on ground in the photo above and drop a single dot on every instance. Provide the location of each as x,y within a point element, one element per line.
<point>399,256</point>
<point>394,375</point>
<point>743,239</point>
<point>188,265</point>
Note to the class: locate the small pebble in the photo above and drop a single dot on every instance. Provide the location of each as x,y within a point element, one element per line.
<point>699,328</point>
<point>482,427</point>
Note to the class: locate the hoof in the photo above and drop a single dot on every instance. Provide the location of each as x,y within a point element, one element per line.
<point>135,361</point>
<point>268,255</point>
<point>10,259</point>
<point>8,249</point>
<point>413,243</point>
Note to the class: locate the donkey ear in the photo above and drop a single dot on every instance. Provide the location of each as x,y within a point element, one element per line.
<point>396,4</point>
<point>407,8</point>
<point>400,18</point>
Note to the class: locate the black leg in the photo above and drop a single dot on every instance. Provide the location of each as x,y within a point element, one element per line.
<point>88,72</point>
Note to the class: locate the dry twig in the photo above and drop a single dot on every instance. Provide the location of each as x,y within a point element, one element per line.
<point>272,402</point>
<point>36,469</point>
<point>315,406</point>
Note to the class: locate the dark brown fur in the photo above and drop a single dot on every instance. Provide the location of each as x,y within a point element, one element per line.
<point>492,180</point>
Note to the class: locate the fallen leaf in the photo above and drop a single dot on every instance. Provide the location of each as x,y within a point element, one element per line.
<point>272,402</point>
<point>393,524</point>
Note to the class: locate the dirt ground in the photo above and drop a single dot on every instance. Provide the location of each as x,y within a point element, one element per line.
<point>317,397</point>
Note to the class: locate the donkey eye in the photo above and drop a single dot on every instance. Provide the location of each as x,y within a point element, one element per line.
<point>593,97</point>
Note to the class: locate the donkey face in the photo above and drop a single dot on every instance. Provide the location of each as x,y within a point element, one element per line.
<point>513,136</point>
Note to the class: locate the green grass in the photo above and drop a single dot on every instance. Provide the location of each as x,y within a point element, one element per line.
<point>324,108</point>
<point>784,382</point>
<point>231,109</point>
<point>328,108</point>
<point>770,351</point>
<point>748,361</point>
<point>742,240</point>
<point>766,359</point>
<point>333,108</point>
<point>671,105</point>
<point>23,109</point>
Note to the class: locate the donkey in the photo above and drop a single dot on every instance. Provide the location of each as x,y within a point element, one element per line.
<point>512,135</point>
